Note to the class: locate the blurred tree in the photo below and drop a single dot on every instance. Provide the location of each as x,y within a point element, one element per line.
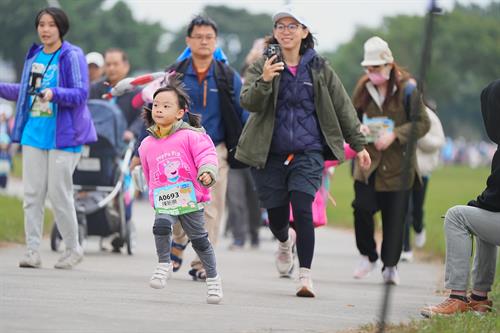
<point>237,31</point>
<point>91,28</point>
<point>465,58</point>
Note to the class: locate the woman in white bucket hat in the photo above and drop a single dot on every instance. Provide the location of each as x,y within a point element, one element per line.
<point>384,99</point>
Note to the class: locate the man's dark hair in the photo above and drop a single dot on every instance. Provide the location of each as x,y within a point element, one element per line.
<point>117,50</point>
<point>59,16</point>
<point>201,21</point>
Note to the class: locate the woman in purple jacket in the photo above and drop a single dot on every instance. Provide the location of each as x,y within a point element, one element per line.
<point>52,123</point>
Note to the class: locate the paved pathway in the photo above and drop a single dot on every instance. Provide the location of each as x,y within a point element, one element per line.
<point>110,292</point>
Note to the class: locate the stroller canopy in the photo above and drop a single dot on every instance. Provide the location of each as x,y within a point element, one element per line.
<point>109,122</point>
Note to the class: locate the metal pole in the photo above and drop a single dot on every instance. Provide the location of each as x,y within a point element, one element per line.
<point>412,140</point>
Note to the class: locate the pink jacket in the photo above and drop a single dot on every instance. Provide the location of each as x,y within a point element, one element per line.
<point>182,156</point>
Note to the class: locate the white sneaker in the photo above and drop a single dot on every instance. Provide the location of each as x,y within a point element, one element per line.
<point>69,259</point>
<point>285,255</point>
<point>31,259</point>
<point>214,290</point>
<point>420,239</point>
<point>305,283</point>
<point>391,275</point>
<point>364,268</point>
<point>160,276</point>
<point>406,256</point>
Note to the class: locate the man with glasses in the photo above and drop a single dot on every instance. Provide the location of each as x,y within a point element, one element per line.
<point>214,89</point>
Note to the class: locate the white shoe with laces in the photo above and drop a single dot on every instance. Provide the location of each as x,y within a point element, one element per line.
<point>391,275</point>
<point>420,238</point>
<point>285,255</point>
<point>69,259</point>
<point>214,290</point>
<point>31,259</point>
<point>305,283</point>
<point>160,276</point>
<point>364,268</point>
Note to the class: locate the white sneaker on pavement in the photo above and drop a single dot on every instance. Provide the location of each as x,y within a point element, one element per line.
<point>391,275</point>
<point>69,259</point>
<point>364,268</point>
<point>214,290</point>
<point>305,283</point>
<point>31,259</point>
<point>406,256</point>
<point>420,239</point>
<point>160,276</point>
<point>285,255</point>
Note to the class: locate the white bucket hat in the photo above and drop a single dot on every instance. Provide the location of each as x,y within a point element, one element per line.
<point>290,12</point>
<point>377,52</point>
<point>95,58</point>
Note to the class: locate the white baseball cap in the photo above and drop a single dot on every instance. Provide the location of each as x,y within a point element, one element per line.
<point>289,12</point>
<point>377,52</point>
<point>95,58</point>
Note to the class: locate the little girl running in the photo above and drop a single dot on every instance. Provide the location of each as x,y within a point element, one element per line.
<point>180,164</point>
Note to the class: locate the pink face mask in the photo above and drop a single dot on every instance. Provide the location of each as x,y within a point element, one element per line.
<point>377,78</point>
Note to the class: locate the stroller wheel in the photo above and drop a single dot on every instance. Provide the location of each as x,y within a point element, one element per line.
<point>55,238</point>
<point>117,244</point>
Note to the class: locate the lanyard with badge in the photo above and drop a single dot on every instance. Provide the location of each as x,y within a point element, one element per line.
<point>38,107</point>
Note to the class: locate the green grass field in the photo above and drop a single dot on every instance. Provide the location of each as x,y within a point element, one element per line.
<point>12,220</point>
<point>448,186</point>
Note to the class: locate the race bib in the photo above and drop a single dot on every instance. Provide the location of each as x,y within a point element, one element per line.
<point>176,199</point>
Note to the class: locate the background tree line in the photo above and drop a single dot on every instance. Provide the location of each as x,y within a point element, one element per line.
<point>466,46</point>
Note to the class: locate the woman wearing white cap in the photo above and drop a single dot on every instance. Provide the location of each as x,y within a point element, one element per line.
<point>300,115</point>
<point>384,98</point>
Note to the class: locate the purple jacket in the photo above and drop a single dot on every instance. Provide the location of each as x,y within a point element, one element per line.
<point>74,125</point>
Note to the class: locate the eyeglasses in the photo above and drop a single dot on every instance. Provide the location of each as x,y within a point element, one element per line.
<point>208,38</point>
<point>292,27</point>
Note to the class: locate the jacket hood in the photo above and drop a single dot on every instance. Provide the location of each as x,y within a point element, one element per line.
<point>180,125</point>
<point>308,56</point>
<point>490,108</point>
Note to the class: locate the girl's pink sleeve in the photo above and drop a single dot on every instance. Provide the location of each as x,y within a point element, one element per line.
<point>203,150</point>
<point>144,162</point>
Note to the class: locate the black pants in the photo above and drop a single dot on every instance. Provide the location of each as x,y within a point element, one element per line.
<point>279,222</point>
<point>415,214</point>
<point>393,206</point>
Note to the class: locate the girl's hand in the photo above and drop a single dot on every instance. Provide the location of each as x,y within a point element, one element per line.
<point>364,159</point>
<point>384,141</point>
<point>47,95</point>
<point>270,70</point>
<point>205,179</point>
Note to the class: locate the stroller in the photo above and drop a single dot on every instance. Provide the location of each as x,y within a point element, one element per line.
<point>103,189</point>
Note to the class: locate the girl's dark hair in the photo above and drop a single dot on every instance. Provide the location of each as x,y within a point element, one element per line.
<point>59,16</point>
<point>174,84</point>
<point>361,97</point>
<point>306,43</point>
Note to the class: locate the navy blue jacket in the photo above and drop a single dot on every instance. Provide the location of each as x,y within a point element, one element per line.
<point>296,128</point>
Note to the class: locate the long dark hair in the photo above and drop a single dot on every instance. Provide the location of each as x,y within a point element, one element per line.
<point>362,98</point>
<point>174,84</point>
